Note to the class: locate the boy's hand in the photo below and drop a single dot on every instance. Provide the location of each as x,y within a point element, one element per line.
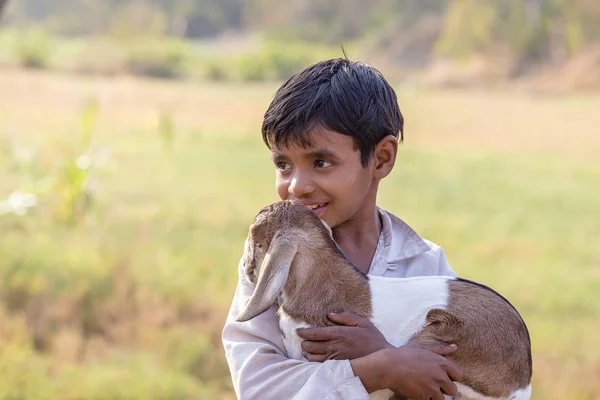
<point>354,337</point>
<point>421,372</point>
<point>412,371</point>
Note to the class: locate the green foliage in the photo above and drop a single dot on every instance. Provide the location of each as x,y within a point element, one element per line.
<point>216,69</point>
<point>195,355</point>
<point>271,60</point>
<point>535,31</point>
<point>7,40</point>
<point>157,58</point>
<point>73,181</point>
<point>144,37</point>
<point>468,27</point>
<point>166,131</point>
<point>24,374</point>
<point>532,31</point>
<point>127,378</point>
<point>279,60</point>
<point>33,48</point>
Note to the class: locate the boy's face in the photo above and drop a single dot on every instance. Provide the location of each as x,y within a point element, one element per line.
<point>327,177</point>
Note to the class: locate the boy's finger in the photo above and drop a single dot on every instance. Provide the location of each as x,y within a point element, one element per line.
<point>347,318</point>
<point>316,334</point>
<point>449,388</point>
<point>453,371</point>
<point>441,349</point>
<point>314,347</point>
<point>437,396</point>
<point>315,357</point>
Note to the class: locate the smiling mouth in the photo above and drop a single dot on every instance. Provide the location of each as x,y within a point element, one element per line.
<point>318,208</point>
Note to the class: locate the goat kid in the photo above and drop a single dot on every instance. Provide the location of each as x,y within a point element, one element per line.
<point>291,257</point>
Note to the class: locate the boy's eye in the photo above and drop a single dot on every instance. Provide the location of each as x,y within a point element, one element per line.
<point>282,166</point>
<point>323,163</point>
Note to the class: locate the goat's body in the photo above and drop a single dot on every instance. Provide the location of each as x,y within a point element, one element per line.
<point>400,305</point>
<point>400,312</point>
<point>291,341</point>
<point>291,254</point>
<point>466,393</point>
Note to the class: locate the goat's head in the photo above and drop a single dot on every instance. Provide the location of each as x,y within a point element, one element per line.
<point>271,246</point>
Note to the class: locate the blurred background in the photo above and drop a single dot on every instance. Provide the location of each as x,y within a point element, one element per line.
<point>131,165</point>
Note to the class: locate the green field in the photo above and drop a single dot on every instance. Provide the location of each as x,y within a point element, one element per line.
<point>116,285</point>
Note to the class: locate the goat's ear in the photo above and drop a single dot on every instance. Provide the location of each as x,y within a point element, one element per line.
<point>249,263</point>
<point>439,316</point>
<point>273,274</point>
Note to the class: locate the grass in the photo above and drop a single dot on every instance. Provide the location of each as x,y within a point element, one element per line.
<point>135,290</point>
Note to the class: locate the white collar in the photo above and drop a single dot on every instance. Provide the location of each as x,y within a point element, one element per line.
<point>400,241</point>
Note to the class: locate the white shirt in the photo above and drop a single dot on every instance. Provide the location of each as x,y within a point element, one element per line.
<point>254,349</point>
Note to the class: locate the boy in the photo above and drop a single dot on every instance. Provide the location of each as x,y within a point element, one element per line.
<point>333,132</point>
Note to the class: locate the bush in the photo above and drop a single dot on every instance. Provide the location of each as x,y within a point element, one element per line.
<point>211,69</point>
<point>158,58</point>
<point>32,48</point>
<point>279,60</point>
<point>252,67</point>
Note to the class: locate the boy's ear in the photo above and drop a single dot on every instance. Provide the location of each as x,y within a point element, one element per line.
<point>385,156</point>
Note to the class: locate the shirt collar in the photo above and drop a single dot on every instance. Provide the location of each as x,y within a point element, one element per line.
<point>400,241</point>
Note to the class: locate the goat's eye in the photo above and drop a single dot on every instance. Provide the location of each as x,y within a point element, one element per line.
<point>258,245</point>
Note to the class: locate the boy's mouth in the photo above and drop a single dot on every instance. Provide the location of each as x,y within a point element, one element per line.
<point>317,208</point>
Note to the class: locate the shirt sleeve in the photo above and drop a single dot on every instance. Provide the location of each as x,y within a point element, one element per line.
<point>260,369</point>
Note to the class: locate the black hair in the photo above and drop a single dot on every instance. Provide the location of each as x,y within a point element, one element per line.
<point>348,97</point>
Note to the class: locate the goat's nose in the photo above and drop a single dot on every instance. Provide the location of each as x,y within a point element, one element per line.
<point>300,186</point>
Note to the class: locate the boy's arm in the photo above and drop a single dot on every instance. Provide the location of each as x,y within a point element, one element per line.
<point>260,369</point>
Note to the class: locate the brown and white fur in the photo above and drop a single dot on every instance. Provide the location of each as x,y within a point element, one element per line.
<point>291,256</point>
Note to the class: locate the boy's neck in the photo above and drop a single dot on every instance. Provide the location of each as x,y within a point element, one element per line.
<point>358,238</point>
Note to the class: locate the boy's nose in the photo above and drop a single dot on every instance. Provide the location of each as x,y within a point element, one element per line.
<point>300,186</point>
